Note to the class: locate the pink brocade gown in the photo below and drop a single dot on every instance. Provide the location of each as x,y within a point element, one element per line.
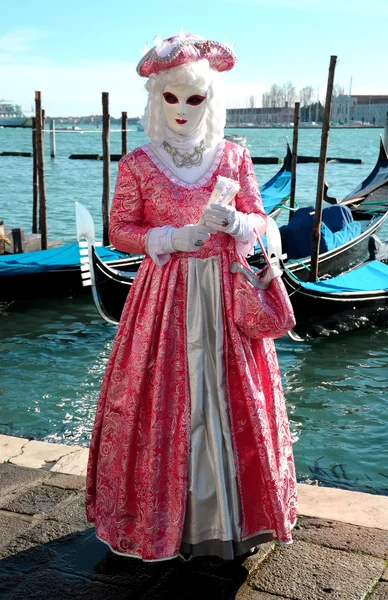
<point>191,449</point>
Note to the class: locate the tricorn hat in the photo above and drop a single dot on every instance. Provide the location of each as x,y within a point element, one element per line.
<point>184,48</point>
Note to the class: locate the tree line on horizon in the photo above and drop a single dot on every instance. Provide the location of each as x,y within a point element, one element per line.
<point>287,94</point>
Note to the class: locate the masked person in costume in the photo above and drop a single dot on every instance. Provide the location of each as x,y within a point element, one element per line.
<point>191,452</point>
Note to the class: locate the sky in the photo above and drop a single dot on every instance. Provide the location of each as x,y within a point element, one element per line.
<point>73,50</point>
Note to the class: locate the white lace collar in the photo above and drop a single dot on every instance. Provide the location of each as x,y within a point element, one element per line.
<point>167,170</point>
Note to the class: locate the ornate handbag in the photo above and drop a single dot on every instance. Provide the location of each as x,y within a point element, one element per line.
<point>261,305</point>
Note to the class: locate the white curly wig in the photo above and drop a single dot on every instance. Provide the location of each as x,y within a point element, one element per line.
<point>194,73</point>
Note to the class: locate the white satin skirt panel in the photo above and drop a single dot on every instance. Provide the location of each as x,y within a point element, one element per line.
<point>213,508</point>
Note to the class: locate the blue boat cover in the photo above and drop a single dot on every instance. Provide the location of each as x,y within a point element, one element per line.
<point>368,278</point>
<point>337,228</point>
<point>336,217</point>
<point>49,260</point>
<point>275,190</point>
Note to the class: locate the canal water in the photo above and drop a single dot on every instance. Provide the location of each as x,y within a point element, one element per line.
<point>53,353</point>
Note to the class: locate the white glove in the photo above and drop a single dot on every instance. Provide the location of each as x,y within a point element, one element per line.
<point>226,219</point>
<point>162,241</point>
<point>190,237</point>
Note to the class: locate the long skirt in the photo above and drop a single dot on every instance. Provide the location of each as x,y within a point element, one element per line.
<point>191,450</point>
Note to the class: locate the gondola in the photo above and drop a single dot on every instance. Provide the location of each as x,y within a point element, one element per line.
<point>351,301</point>
<point>47,273</point>
<point>276,191</point>
<point>370,197</point>
<point>110,285</point>
<point>348,302</point>
<point>349,255</point>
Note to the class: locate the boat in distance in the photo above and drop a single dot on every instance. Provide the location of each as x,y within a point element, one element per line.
<point>236,139</point>
<point>11,115</point>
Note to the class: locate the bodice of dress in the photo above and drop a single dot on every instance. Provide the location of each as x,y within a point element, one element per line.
<point>148,195</point>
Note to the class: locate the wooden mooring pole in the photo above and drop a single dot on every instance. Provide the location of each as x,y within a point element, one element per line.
<point>106,167</point>
<point>53,149</point>
<point>294,159</point>
<point>124,127</point>
<point>40,168</point>
<point>316,237</point>
<point>35,183</point>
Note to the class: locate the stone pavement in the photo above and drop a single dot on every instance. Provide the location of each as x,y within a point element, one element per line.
<point>48,551</point>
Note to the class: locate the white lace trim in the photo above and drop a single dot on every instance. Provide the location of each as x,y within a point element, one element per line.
<point>166,169</point>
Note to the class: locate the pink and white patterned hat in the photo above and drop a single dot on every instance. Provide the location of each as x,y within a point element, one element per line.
<point>184,48</point>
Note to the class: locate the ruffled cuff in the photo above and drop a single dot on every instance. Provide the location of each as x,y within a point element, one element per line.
<point>246,236</point>
<point>159,245</point>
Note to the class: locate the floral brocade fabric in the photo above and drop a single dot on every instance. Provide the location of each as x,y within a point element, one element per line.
<point>137,478</point>
<point>262,313</point>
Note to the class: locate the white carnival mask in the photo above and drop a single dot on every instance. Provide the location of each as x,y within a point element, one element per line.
<point>183,108</point>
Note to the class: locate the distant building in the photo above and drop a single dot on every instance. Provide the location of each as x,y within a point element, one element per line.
<point>352,110</point>
<point>251,117</point>
<point>95,119</point>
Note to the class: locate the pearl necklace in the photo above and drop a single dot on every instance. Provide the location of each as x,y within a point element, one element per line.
<point>185,159</point>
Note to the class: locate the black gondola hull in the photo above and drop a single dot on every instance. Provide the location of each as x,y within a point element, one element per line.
<point>49,284</point>
<point>375,203</point>
<point>321,315</point>
<point>111,286</point>
<point>57,283</point>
